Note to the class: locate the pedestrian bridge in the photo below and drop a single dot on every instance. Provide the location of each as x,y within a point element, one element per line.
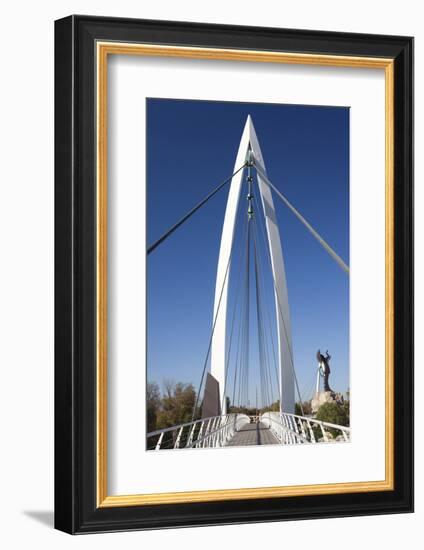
<point>255,302</point>
<point>230,430</point>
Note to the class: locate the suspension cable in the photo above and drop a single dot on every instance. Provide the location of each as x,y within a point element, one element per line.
<point>284,327</point>
<point>262,285</point>
<point>265,379</point>
<point>270,334</point>
<point>236,363</point>
<point>244,356</point>
<point>247,317</point>
<point>299,216</point>
<point>191,212</point>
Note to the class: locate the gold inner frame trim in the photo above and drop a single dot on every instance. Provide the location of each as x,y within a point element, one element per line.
<point>104,49</point>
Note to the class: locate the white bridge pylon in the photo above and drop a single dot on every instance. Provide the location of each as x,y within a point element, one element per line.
<point>249,142</point>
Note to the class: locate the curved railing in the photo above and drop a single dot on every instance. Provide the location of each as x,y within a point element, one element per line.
<point>215,431</point>
<point>292,428</point>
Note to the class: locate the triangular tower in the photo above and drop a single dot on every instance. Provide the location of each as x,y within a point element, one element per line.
<point>249,149</point>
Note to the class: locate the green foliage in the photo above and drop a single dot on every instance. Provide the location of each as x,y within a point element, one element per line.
<point>335,414</point>
<point>243,410</point>
<point>176,406</point>
<point>306,408</point>
<point>274,407</point>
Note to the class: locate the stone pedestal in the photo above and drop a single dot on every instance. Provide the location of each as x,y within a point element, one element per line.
<point>325,397</point>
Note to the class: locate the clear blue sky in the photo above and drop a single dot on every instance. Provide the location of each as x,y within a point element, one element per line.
<point>191,148</point>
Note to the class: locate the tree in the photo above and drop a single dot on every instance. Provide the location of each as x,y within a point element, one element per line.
<point>177,404</point>
<point>274,407</point>
<point>335,414</point>
<point>307,410</point>
<point>152,404</point>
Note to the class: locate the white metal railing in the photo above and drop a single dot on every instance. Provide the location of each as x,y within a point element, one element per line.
<point>292,428</point>
<point>215,431</point>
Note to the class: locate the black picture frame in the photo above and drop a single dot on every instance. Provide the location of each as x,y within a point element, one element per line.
<point>76,508</point>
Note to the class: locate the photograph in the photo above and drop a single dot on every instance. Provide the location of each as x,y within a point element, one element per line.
<point>247,286</point>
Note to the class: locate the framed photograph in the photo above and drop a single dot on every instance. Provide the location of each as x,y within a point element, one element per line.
<point>234,274</point>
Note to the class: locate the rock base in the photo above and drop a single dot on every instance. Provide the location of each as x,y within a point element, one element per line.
<point>325,397</point>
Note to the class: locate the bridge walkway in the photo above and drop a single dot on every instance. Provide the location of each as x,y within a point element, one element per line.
<point>253,434</point>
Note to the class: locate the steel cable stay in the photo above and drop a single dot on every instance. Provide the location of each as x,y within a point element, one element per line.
<point>285,332</point>
<point>242,345</point>
<point>263,232</point>
<point>242,358</point>
<point>243,342</point>
<point>284,326</point>
<point>267,357</point>
<point>245,339</point>
<point>262,358</point>
<point>236,365</point>
<point>247,349</point>
<point>262,332</point>
<point>244,355</point>
<point>274,356</point>
<point>260,341</point>
<point>270,333</point>
<point>173,228</point>
<point>244,321</point>
<point>244,328</point>
<point>241,363</point>
<point>299,216</point>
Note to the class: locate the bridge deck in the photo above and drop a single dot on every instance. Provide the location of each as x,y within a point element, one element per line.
<point>253,434</point>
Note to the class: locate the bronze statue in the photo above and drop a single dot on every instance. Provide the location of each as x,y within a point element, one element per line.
<point>323,362</point>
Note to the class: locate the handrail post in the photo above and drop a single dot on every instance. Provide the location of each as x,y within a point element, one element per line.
<point>207,433</point>
<point>311,432</point>
<point>212,435</point>
<point>302,427</point>
<point>177,442</point>
<point>324,435</point>
<point>159,443</point>
<point>190,437</point>
<point>199,435</point>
